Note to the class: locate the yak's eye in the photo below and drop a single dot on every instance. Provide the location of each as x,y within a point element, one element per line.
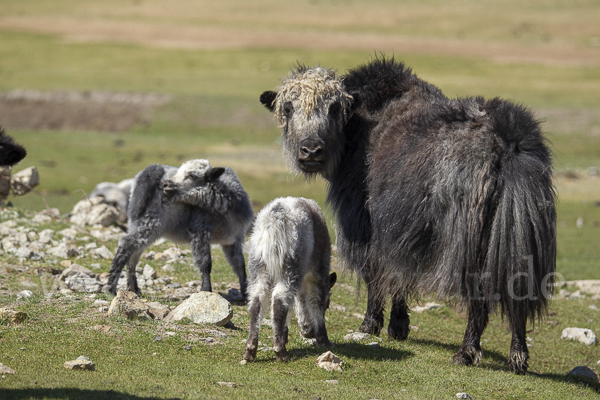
<point>287,109</point>
<point>192,177</point>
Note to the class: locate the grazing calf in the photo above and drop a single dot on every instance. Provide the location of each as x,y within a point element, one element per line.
<point>289,264</point>
<point>195,204</point>
<point>10,152</point>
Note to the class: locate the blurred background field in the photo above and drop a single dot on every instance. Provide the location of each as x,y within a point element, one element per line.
<point>213,59</point>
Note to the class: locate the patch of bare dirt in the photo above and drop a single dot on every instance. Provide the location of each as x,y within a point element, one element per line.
<point>215,37</point>
<point>79,111</point>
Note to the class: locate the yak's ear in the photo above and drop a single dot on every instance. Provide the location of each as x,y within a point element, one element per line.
<point>214,173</point>
<point>332,279</point>
<point>356,101</point>
<point>268,99</point>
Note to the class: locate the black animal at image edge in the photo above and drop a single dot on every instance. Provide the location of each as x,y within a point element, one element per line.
<point>10,151</point>
<point>432,195</point>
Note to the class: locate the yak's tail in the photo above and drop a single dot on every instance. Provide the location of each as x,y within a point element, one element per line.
<point>145,191</point>
<point>519,266</point>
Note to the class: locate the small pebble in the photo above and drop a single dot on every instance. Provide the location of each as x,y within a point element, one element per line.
<point>243,362</point>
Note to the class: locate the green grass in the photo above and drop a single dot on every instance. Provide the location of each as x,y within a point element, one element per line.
<point>215,114</point>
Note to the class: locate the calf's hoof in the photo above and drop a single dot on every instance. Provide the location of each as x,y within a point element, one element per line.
<point>282,355</point>
<point>398,329</point>
<point>249,355</point>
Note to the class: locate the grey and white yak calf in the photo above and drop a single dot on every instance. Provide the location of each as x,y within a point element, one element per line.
<point>432,195</point>
<point>288,266</point>
<point>195,204</point>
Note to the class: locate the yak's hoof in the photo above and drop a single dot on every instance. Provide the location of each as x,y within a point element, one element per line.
<point>249,355</point>
<point>517,362</point>
<point>282,355</point>
<point>371,326</point>
<point>398,329</point>
<point>470,356</point>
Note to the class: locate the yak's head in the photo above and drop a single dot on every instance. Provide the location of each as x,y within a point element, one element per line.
<point>309,323</point>
<point>312,108</point>
<point>192,174</point>
<point>10,152</point>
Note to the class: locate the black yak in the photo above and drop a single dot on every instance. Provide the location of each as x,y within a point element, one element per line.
<point>288,265</point>
<point>432,195</point>
<point>195,204</point>
<point>10,152</point>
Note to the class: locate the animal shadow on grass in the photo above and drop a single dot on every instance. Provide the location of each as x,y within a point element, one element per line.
<point>354,350</point>
<point>68,393</point>
<point>498,359</point>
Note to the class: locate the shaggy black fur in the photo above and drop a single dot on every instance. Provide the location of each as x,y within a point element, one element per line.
<point>452,197</point>
<point>10,152</point>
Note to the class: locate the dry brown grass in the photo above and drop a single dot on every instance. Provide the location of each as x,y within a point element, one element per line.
<point>537,31</point>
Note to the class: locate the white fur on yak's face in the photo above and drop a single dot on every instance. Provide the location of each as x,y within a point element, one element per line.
<point>311,107</point>
<point>191,171</point>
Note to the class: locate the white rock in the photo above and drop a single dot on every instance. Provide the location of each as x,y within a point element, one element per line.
<point>203,308</point>
<point>81,282</point>
<point>330,362</point>
<point>149,272</point>
<point>128,305</point>
<point>4,370</point>
<point>102,252</point>
<point>427,307</point>
<point>463,396</point>
<point>357,337</point>
<point>46,236</point>
<point>76,269</point>
<point>24,294</point>
<point>585,336</point>
<point>82,362</point>
<point>168,268</point>
<point>24,181</point>
<point>593,307</point>
<point>590,286</point>
<point>68,233</point>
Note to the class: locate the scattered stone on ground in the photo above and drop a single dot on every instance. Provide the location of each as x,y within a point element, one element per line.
<point>357,337</point>
<point>593,307</point>
<point>230,384</point>
<point>128,305</point>
<point>463,396</point>
<point>82,362</point>
<point>582,335</point>
<point>332,381</point>
<point>24,294</point>
<point>427,307</point>
<point>330,362</point>
<point>12,316</point>
<point>157,310</point>
<point>5,370</point>
<point>584,371</point>
<point>591,286</point>
<point>24,181</point>
<point>203,308</point>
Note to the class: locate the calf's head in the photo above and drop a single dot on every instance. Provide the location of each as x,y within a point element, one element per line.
<point>192,174</point>
<point>312,108</point>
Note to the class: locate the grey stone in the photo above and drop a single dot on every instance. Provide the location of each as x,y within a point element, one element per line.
<point>149,272</point>
<point>12,316</point>
<point>584,371</point>
<point>585,336</point>
<point>60,251</point>
<point>24,181</point>
<point>25,294</point>
<point>203,308</point>
<point>82,362</point>
<point>463,396</point>
<point>81,282</point>
<point>356,337</point>
<point>76,269</point>
<point>102,214</point>
<point>68,233</point>
<point>427,307</point>
<point>158,310</point>
<point>4,370</point>
<point>46,236</point>
<point>128,305</point>
<point>330,362</point>
<point>102,252</point>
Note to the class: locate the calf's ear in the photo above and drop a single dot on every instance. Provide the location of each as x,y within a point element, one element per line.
<point>332,279</point>
<point>268,99</point>
<point>214,173</point>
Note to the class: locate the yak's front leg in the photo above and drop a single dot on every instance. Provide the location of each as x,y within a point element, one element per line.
<point>200,243</point>
<point>373,322</point>
<point>470,351</point>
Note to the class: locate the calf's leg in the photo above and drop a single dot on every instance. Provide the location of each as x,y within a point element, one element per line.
<point>282,299</point>
<point>200,243</point>
<point>235,257</point>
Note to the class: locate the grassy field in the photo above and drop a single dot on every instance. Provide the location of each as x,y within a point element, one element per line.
<point>214,59</point>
